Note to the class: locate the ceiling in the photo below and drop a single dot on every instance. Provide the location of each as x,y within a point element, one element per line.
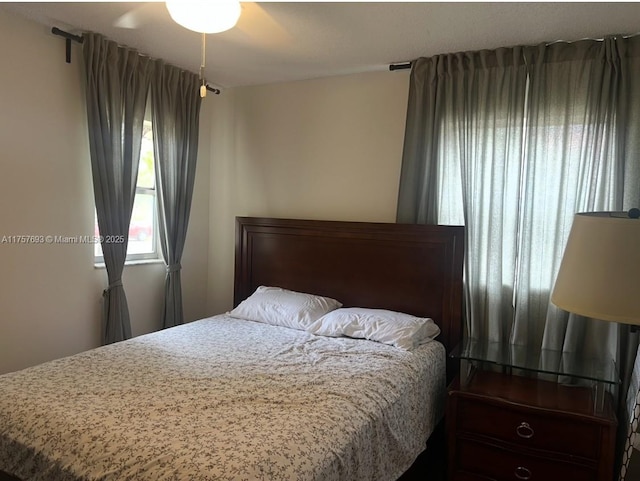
<point>285,41</point>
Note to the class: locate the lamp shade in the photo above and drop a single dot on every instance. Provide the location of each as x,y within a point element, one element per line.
<point>212,16</point>
<point>599,276</point>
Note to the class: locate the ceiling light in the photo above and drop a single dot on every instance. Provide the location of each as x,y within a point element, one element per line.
<point>205,16</point>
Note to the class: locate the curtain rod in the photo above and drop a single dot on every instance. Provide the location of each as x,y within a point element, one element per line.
<point>78,38</point>
<point>69,37</point>
<point>399,66</point>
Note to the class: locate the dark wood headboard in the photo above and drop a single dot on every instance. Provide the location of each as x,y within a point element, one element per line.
<point>415,269</point>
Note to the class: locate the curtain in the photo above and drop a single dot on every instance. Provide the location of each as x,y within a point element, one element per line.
<point>463,143</point>
<point>117,83</point>
<point>512,143</point>
<point>175,105</point>
<point>576,162</point>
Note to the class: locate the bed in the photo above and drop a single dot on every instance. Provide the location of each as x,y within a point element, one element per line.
<point>227,398</point>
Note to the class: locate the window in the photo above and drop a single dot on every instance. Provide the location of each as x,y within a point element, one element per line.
<point>143,230</point>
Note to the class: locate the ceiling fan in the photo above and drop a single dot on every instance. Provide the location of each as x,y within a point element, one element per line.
<point>255,25</point>
<point>209,17</point>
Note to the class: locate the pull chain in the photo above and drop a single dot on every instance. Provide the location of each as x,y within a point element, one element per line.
<point>203,87</point>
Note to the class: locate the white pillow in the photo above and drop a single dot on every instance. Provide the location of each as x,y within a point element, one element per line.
<point>280,307</point>
<point>388,327</point>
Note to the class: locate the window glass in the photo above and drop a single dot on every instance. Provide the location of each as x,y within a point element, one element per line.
<point>146,172</point>
<point>143,232</point>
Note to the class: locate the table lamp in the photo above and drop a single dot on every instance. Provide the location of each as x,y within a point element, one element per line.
<point>599,277</point>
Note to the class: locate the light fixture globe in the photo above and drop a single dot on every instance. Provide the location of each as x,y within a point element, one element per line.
<point>211,16</point>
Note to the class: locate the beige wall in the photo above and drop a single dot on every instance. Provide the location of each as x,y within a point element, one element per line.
<point>320,149</point>
<point>50,295</point>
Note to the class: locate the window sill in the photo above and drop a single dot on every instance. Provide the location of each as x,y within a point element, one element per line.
<point>136,262</point>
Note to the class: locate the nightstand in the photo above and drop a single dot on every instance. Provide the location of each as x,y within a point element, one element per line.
<point>514,414</point>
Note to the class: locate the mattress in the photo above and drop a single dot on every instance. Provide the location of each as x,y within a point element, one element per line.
<point>223,399</point>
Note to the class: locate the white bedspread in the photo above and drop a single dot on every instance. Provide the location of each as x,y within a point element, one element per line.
<point>223,399</point>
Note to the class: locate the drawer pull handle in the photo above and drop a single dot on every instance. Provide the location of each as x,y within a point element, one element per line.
<point>522,473</point>
<point>525,431</point>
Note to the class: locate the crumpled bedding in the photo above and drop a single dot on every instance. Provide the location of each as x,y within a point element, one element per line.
<point>223,399</point>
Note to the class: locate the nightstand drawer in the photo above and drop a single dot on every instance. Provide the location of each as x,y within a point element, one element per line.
<point>504,464</point>
<point>526,427</point>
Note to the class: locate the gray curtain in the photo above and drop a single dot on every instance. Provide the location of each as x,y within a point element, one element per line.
<point>175,104</point>
<point>463,142</point>
<point>512,143</point>
<point>117,83</point>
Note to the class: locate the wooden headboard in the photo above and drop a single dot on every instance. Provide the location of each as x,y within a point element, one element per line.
<point>415,269</point>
